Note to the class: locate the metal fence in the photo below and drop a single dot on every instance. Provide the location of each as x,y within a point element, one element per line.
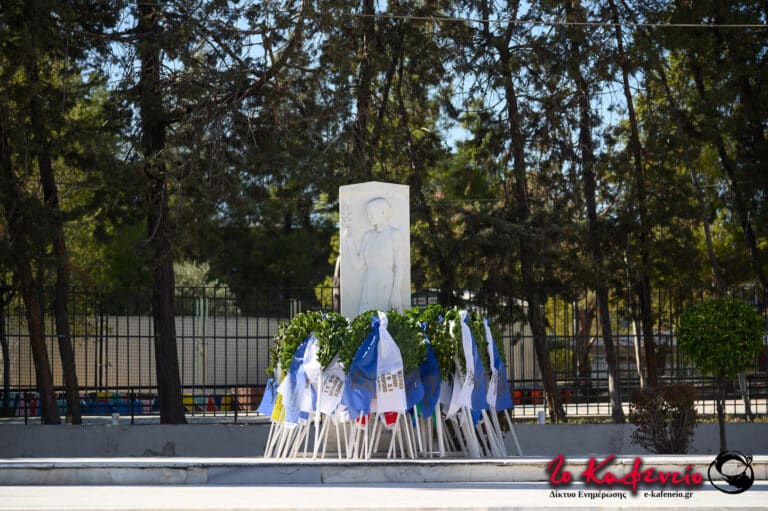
<point>224,338</point>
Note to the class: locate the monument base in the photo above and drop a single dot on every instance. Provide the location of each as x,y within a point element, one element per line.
<point>257,471</point>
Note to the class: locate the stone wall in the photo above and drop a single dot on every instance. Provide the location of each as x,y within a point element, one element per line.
<point>248,440</point>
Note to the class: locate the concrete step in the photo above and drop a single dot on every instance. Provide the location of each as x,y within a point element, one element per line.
<point>258,471</point>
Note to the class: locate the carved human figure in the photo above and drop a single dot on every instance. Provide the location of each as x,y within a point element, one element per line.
<point>380,257</point>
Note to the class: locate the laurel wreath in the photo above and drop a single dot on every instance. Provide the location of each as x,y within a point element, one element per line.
<point>331,333</point>
<point>337,335</point>
<point>290,334</point>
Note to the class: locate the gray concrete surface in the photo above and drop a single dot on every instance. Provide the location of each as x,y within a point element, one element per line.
<point>105,440</point>
<point>248,440</point>
<point>219,467</point>
<point>481,496</point>
<point>258,471</point>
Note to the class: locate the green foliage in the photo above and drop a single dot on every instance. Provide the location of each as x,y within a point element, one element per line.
<point>324,292</point>
<point>446,338</point>
<point>722,336</point>
<point>665,418</point>
<point>125,262</point>
<point>429,318</point>
<point>477,328</point>
<point>337,335</point>
<point>192,274</point>
<point>403,329</point>
<point>359,329</point>
<point>408,337</point>
<point>253,165</point>
<point>290,334</point>
<point>561,360</point>
<point>447,342</point>
<point>331,333</point>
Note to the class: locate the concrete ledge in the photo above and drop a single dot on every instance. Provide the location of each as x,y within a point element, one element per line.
<point>229,471</point>
<point>248,440</point>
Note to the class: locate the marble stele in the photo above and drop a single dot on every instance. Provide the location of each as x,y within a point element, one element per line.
<point>374,223</point>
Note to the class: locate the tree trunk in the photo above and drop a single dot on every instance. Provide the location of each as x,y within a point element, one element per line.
<point>739,201</point>
<point>643,287</point>
<point>596,253</point>
<point>18,227</point>
<point>163,317</point>
<point>594,246</point>
<point>611,357</point>
<point>638,356</point>
<point>61,255</point>
<point>737,192</point>
<point>532,293</point>
<point>721,411</point>
<point>642,278</point>
<point>684,130</point>
<point>717,273</point>
<point>749,136</point>
<point>336,292</point>
<point>5,299</point>
<point>584,341</point>
<point>34,313</point>
<point>543,359</point>
<point>153,124</point>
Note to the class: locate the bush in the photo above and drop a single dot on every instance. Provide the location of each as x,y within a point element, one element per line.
<point>665,418</point>
<point>722,337</point>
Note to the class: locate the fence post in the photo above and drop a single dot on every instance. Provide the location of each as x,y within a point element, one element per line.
<point>294,307</point>
<point>101,342</point>
<point>235,401</point>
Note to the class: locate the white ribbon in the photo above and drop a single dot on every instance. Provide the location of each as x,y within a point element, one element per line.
<point>390,380</point>
<point>493,384</point>
<point>331,387</point>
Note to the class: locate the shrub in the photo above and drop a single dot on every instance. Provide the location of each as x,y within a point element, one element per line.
<point>722,337</point>
<point>665,418</point>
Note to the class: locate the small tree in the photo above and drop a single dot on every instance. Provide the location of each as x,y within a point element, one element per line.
<point>722,337</point>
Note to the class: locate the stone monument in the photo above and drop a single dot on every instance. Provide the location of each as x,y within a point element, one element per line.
<point>375,246</point>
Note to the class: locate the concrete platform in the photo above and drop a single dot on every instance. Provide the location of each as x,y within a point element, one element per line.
<point>257,471</point>
<point>248,440</point>
<point>120,484</point>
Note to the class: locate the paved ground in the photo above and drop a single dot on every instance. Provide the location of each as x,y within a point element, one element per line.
<point>487,496</point>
